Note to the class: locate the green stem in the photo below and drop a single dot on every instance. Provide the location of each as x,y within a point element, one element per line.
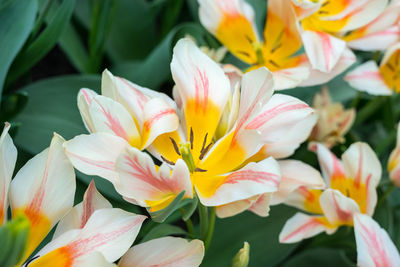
<point>40,20</point>
<point>211,225</point>
<point>190,227</point>
<point>386,194</point>
<point>369,109</point>
<point>203,214</point>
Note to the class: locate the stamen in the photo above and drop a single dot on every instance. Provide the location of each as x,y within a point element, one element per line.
<point>167,161</point>
<point>276,48</point>
<point>204,142</point>
<point>175,146</point>
<point>248,38</point>
<point>323,12</point>
<point>187,156</point>
<point>199,170</point>
<point>191,138</point>
<point>273,63</point>
<point>324,4</point>
<point>390,67</point>
<point>203,152</point>
<point>244,53</point>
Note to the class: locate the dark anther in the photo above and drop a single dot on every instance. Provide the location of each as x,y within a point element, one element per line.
<point>204,143</point>
<point>323,12</point>
<point>167,161</point>
<point>191,138</point>
<point>199,170</point>
<point>347,192</point>
<point>204,151</point>
<point>248,39</point>
<point>32,259</point>
<point>276,48</point>
<point>243,53</point>
<point>175,146</point>
<point>324,4</point>
<point>274,63</point>
<point>390,67</point>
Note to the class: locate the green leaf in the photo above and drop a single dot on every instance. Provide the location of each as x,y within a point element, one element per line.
<point>52,108</point>
<point>45,42</point>
<point>162,230</point>
<point>319,257</point>
<point>261,233</point>
<point>17,20</point>
<point>161,215</point>
<point>155,70</point>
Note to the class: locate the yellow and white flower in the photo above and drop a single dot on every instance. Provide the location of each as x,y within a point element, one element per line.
<point>394,162</point>
<point>225,136</point>
<point>352,189</point>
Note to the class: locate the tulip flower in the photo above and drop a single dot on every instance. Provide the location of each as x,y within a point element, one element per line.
<point>333,120</point>
<point>394,162</point>
<point>382,80</point>
<point>352,189</point>
<point>374,247</point>
<point>232,22</point>
<point>323,22</point>
<point>42,190</point>
<point>221,129</point>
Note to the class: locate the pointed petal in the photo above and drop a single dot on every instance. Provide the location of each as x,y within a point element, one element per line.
<point>295,174</point>
<point>379,40</point>
<point>159,118</point>
<point>95,154</point>
<point>232,22</point>
<point>338,209</point>
<point>284,123</point>
<point>317,77</point>
<point>364,169</point>
<point>363,14</point>
<point>8,157</point>
<point>204,89</point>
<point>139,180</point>
<point>374,247</point>
<point>94,259</point>
<point>322,49</point>
<point>291,77</point>
<point>43,190</point>
<point>85,98</point>
<point>261,206</point>
<point>165,252</point>
<point>367,78</point>
<point>80,214</point>
<point>253,179</point>
<point>108,231</point>
<point>109,116</point>
<point>332,168</point>
<point>302,226</point>
<point>281,34</point>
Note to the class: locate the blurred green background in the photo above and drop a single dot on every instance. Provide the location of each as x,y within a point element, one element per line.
<point>49,49</point>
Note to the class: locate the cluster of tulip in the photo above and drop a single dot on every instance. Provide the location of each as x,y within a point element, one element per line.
<point>222,141</point>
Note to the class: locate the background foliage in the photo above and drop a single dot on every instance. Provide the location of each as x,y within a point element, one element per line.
<point>49,49</point>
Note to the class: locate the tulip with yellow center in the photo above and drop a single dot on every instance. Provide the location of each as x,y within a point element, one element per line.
<point>382,80</point>
<point>223,124</point>
<point>352,186</point>
<point>394,162</point>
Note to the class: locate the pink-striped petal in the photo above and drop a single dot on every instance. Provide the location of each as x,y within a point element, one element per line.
<point>374,247</point>
<point>109,116</point>
<point>367,78</point>
<point>317,77</point>
<point>364,168</point>
<point>323,50</point>
<point>251,180</point>
<point>337,208</point>
<point>294,175</point>
<point>139,180</point>
<point>236,207</point>
<point>164,252</point>
<point>95,154</point>
<point>80,214</point>
<point>8,157</point>
<point>291,77</point>
<point>85,98</point>
<point>284,123</point>
<point>108,231</point>
<point>302,226</point>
